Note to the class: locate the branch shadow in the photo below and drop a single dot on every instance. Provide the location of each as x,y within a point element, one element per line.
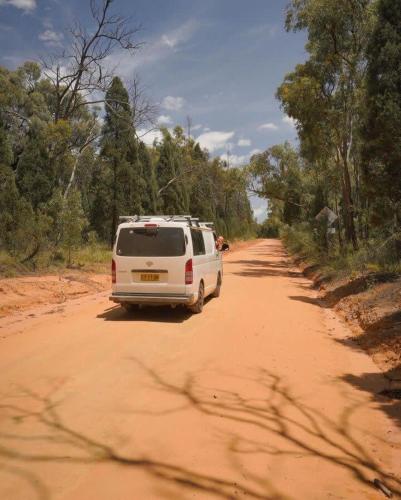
<point>307,300</point>
<point>299,430</point>
<point>257,268</point>
<point>376,385</point>
<point>305,431</point>
<point>385,334</point>
<point>33,481</point>
<point>83,449</point>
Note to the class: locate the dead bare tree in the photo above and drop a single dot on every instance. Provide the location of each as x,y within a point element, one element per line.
<point>176,178</point>
<point>144,111</point>
<point>83,70</point>
<point>92,134</point>
<point>81,73</point>
<point>189,125</point>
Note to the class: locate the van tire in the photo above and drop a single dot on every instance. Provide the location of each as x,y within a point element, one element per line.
<point>217,290</point>
<point>198,306</point>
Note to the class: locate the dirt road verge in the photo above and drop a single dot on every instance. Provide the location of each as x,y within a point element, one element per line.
<point>22,293</point>
<point>371,305</point>
<point>374,313</point>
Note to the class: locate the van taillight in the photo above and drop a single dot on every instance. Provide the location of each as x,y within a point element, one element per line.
<point>113,271</point>
<point>189,274</point>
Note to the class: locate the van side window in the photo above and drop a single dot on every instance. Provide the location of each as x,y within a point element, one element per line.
<point>198,242</point>
<point>209,242</point>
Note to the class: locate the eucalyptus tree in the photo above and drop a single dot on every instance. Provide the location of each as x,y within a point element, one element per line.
<point>276,174</point>
<point>323,94</point>
<point>382,126</point>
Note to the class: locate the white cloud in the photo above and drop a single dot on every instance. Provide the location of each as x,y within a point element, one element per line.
<point>168,41</point>
<point>235,160</point>
<point>5,27</point>
<point>179,35</point>
<point>160,48</point>
<point>196,127</point>
<point>260,213</point>
<point>173,103</point>
<point>255,152</point>
<point>164,120</point>
<point>264,29</point>
<point>214,140</point>
<point>148,137</point>
<point>268,126</point>
<point>206,129</point>
<point>289,121</point>
<point>51,37</point>
<point>244,143</point>
<point>20,4</point>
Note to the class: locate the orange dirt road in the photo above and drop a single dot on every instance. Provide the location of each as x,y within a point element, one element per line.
<point>259,397</point>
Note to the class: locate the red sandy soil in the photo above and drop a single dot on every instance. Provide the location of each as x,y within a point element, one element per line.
<point>23,293</point>
<point>27,292</point>
<point>262,396</point>
<point>372,306</point>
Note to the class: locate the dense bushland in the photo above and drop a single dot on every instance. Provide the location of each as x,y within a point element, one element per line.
<point>72,161</point>
<point>345,100</point>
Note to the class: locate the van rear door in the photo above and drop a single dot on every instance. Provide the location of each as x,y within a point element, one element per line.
<point>150,259</point>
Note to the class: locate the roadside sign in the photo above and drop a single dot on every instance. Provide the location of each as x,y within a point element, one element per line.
<point>327,214</point>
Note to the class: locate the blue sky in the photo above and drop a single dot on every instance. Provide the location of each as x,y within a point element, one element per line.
<point>218,61</point>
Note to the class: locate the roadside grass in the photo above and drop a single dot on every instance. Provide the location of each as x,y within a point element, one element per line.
<point>94,257</point>
<point>376,255</point>
<point>9,266</point>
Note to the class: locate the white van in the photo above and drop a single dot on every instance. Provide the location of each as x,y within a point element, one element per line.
<point>165,260</point>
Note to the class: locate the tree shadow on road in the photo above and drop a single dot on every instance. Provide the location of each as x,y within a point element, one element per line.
<point>377,385</point>
<point>269,251</point>
<point>307,300</point>
<point>298,430</point>
<point>304,431</point>
<point>78,448</point>
<point>384,387</point>
<point>257,268</point>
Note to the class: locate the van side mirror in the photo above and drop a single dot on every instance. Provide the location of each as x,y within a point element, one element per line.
<point>225,247</point>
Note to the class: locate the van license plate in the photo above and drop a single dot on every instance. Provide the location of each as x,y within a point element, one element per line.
<point>150,277</point>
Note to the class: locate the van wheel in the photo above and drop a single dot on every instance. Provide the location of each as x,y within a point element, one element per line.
<point>217,290</point>
<point>198,306</point>
<point>130,307</point>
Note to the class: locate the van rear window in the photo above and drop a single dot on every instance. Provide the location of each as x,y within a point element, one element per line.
<point>151,242</point>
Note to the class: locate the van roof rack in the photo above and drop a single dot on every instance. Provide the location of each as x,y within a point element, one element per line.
<point>192,221</point>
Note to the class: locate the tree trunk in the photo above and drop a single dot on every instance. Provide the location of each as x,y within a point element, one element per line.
<point>340,239</point>
<point>72,177</point>
<point>114,210</point>
<point>348,206</point>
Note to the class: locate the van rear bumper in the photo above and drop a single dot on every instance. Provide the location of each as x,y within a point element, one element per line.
<point>152,298</point>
